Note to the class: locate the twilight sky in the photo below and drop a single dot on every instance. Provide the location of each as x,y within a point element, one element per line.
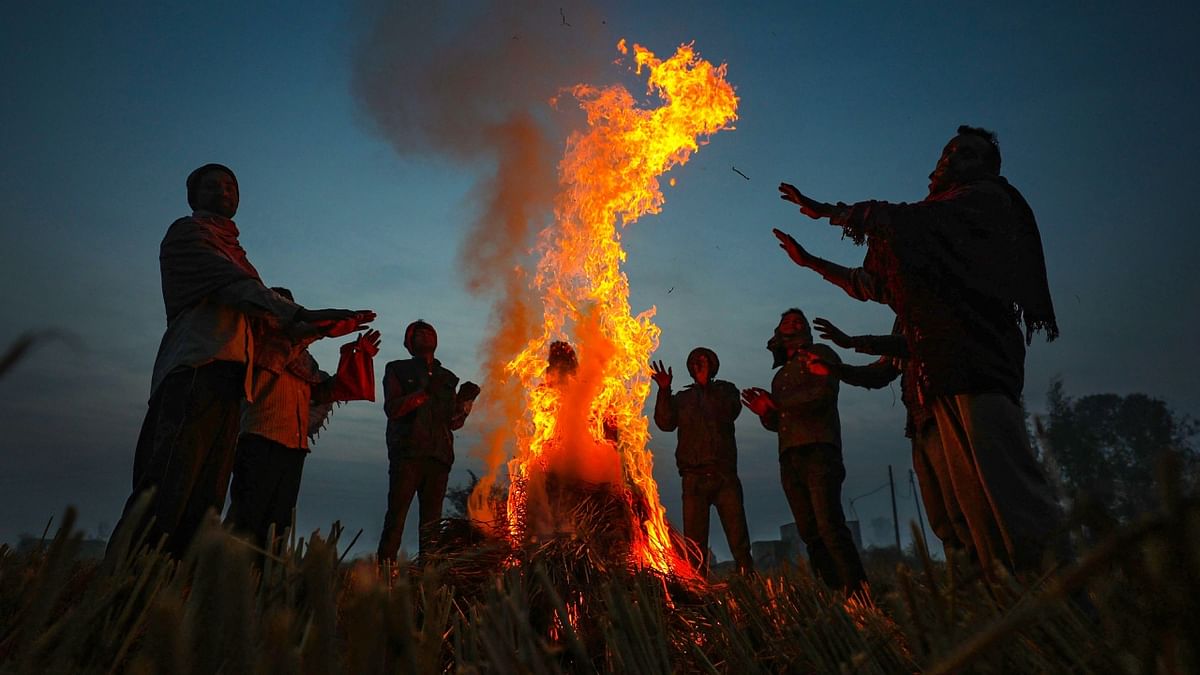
<point>108,108</point>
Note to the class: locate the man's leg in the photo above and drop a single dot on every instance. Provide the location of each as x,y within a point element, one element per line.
<point>937,494</point>
<point>290,465</point>
<point>253,486</point>
<point>1021,502</point>
<point>435,475</point>
<point>187,439</point>
<point>695,518</point>
<point>825,477</point>
<point>403,478</point>
<point>793,467</point>
<point>731,509</point>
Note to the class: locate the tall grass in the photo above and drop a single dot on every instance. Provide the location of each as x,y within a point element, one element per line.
<point>227,608</point>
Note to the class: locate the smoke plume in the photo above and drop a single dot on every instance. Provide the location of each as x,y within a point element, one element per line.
<point>472,83</point>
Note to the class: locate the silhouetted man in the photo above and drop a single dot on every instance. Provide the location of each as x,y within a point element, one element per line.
<point>802,407</point>
<point>205,361</point>
<point>275,430</point>
<point>423,411</point>
<point>963,269</point>
<point>706,454</point>
<point>928,458</point>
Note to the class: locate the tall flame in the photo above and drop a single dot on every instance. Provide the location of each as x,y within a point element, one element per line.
<point>590,427</point>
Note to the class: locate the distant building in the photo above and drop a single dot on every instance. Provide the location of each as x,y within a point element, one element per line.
<point>790,547</point>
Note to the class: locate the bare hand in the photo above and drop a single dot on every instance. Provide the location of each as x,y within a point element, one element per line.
<point>832,333</point>
<point>808,206</point>
<point>758,400</point>
<point>416,399</point>
<point>795,251</point>
<point>369,342</point>
<point>661,376</point>
<point>337,322</point>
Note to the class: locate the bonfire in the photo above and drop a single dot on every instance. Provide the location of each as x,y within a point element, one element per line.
<point>580,466</point>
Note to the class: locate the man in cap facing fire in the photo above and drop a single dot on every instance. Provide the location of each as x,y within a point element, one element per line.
<point>802,408</point>
<point>423,411</point>
<point>706,454</point>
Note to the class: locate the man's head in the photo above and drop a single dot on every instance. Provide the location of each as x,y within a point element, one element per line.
<point>213,188</point>
<point>420,339</point>
<point>973,154</point>
<point>562,359</point>
<point>793,332</point>
<point>703,364</point>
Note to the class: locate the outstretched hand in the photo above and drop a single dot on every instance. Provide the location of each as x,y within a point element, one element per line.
<point>661,376</point>
<point>808,206</point>
<point>795,251</point>
<point>827,331</point>
<point>369,342</point>
<point>337,322</point>
<point>758,400</point>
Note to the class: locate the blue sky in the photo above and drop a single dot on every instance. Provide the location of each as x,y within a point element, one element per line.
<point>108,108</point>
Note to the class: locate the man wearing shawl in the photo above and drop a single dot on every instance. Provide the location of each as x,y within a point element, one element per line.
<point>215,305</point>
<point>706,455</point>
<point>964,270</point>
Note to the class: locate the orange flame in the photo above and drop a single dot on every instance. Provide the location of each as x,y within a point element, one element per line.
<point>590,427</point>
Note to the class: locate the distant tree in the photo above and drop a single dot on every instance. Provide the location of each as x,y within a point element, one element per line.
<point>1104,448</point>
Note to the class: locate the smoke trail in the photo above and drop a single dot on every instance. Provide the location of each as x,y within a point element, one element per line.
<point>471,83</point>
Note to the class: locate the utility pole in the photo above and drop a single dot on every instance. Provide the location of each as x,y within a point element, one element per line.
<point>895,518</point>
<point>912,483</point>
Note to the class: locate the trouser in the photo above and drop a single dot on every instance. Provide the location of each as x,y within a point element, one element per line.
<point>946,519</point>
<point>1000,488</point>
<point>266,483</point>
<point>722,489</point>
<point>185,452</point>
<point>426,478</point>
<point>812,478</point>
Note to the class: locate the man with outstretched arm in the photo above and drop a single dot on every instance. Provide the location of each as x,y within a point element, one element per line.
<point>928,458</point>
<point>214,300</point>
<point>276,427</point>
<point>706,454</point>
<point>964,270</point>
<point>802,407</point>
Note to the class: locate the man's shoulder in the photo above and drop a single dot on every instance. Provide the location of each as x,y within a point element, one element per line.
<point>726,386</point>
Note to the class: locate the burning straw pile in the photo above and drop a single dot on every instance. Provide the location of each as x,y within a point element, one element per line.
<point>557,609</point>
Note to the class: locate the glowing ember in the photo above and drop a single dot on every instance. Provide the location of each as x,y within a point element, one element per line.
<point>584,430</point>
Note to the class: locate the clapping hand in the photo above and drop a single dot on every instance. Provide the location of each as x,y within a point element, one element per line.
<point>758,400</point>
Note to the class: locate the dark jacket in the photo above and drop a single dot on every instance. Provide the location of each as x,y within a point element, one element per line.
<point>704,418</point>
<point>806,403</point>
<point>919,261</point>
<point>427,431</point>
